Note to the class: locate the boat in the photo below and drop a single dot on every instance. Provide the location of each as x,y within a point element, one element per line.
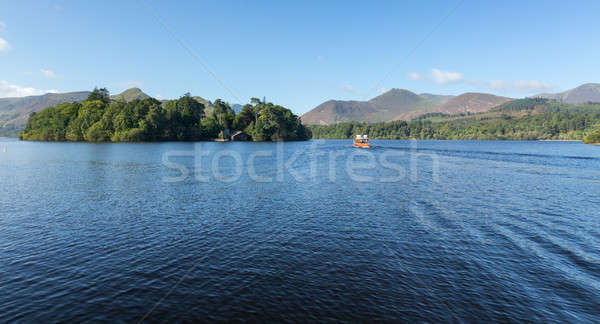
<point>362,141</point>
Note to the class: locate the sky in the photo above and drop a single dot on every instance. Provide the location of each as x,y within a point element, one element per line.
<point>298,54</point>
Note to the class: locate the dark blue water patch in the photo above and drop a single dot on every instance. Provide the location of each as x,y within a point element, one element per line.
<point>508,232</point>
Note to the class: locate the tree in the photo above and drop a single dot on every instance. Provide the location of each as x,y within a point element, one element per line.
<point>244,118</point>
<point>101,94</point>
<point>223,114</point>
<point>593,138</point>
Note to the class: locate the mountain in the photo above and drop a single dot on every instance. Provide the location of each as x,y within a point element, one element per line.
<point>472,102</point>
<point>438,99</point>
<point>398,104</point>
<point>381,108</point>
<point>130,95</point>
<point>208,106</point>
<point>14,112</point>
<point>584,93</point>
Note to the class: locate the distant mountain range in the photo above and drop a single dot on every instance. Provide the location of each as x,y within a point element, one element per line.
<point>583,93</point>
<point>396,104</point>
<point>399,104</point>
<point>384,107</point>
<point>14,112</point>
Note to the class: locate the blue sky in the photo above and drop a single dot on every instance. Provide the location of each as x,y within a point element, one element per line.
<point>298,54</point>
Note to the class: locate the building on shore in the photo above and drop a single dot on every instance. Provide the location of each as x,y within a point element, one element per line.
<point>240,136</point>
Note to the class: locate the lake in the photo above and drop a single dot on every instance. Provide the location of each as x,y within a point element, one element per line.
<point>435,231</point>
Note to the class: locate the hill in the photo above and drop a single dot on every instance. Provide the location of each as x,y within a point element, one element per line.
<point>381,108</point>
<point>471,102</point>
<point>399,104</point>
<point>589,92</point>
<point>129,95</point>
<point>14,112</point>
<point>438,99</point>
<point>521,119</point>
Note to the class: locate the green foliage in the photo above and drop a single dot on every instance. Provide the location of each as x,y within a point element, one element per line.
<point>272,123</point>
<point>593,138</point>
<point>526,104</point>
<point>99,120</point>
<point>557,121</point>
<point>99,94</point>
<point>224,116</point>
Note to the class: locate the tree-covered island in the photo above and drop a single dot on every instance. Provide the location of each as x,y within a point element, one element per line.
<point>100,119</point>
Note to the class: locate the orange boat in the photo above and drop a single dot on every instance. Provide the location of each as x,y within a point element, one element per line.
<point>362,141</point>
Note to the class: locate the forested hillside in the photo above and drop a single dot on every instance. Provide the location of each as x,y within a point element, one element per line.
<point>523,119</point>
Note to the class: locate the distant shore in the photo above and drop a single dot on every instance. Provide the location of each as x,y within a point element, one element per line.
<point>559,140</point>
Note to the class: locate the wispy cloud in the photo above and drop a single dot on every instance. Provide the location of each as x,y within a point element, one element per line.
<point>347,88</point>
<point>523,86</point>
<point>438,76</point>
<point>13,90</point>
<point>48,73</point>
<point>415,76</point>
<point>445,77</point>
<point>2,26</point>
<point>442,77</point>
<point>382,90</point>
<point>4,45</point>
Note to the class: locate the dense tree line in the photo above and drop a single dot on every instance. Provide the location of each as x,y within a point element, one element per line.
<point>511,122</point>
<point>98,119</point>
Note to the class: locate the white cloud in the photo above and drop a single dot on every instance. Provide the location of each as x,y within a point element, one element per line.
<point>524,86</point>
<point>4,45</point>
<point>445,77</point>
<point>2,26</point>
<point>347,88</point>
<point>415,76</point>
<point>382,90</point>
<point>48,73</point>
<point>13,90</point>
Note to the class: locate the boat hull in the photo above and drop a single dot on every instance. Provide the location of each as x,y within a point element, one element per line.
<point>362,145</point>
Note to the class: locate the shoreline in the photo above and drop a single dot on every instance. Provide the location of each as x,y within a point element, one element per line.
<point>559,140</point>
<point>338,139</point>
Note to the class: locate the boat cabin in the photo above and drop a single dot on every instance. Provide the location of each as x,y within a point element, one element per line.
<point>362,141</point>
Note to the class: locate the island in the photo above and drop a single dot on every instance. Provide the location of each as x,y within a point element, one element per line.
<point>101,118</point>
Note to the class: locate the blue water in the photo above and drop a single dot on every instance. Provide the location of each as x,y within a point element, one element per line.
<point>453,231</point>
